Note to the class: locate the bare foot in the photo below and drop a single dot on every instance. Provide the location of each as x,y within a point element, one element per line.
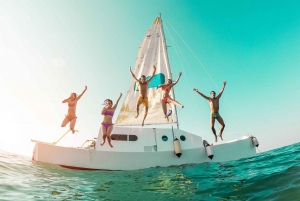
<point>137,114</point>
<point>73,131</point>
<point>216,138</point>
<point>143,123</point>
<point>220,135</point>
<point>182,106</point>
<point>111,146</point>
<point>102,143</point>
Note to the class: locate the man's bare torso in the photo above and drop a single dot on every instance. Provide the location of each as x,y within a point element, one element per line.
<point>214,105</point>
<point>143,89</point>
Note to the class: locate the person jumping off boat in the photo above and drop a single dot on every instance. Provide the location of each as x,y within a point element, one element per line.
<point>214,108</point>
<point>107,126</point>
<point>71,116</point>
<point>166,97</point>
<point>143,92</point>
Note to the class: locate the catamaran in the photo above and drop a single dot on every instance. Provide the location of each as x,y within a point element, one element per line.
<point>138,147</point>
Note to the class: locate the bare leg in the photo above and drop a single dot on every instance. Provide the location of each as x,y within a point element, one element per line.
<point>109,129</point>
<point>65,122</point>
<point>72,124</point>
<point>164,106</point>
<point>170,100</point>
<point>220,120</point>
<point>212,125</point>
<point>145,115</point>
<point>137,109</point>
<point>104,134</point>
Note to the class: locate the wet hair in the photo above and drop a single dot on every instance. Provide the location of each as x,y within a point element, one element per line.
<point>169,80</point>
<point>107,100</point>
<point>212,92</point>
<point>143,76</point>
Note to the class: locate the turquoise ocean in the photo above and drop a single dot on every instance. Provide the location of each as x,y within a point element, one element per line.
<point>272,175</point>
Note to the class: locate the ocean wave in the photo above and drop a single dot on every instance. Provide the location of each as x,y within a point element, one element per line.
<point>272,175</point>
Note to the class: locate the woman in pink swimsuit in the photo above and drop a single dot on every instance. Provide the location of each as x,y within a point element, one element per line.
<point>165,95</point>
<point>107,126</point>
<point>71,116</point>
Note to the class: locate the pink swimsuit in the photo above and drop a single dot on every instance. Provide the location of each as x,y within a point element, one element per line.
<point>72,103</point>
<point>165,99</point>
<point>110,113</point>
<point>165,88</point>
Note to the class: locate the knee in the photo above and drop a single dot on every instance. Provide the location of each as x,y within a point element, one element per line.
<point>223,125</point>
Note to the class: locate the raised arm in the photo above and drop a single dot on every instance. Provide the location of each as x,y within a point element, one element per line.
<point>66,100</point>
<point>196,90</point>
<point>152,74</point>
<point>133,74</point>
<point>115,106</point>
<point>81,93</point>
<point>177,79</point>
<point>221,92</point>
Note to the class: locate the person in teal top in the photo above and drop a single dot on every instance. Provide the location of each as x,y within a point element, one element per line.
<point>214,108</point>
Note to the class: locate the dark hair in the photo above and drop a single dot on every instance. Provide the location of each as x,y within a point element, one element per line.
<point>143,76</point>
<point>213,91</point>
<point>107,100</point>
<point>169,79</point>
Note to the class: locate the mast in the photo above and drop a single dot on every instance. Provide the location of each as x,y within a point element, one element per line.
<point>165,41</point>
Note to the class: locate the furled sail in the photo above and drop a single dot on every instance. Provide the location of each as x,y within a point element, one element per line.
<point>152,51</point>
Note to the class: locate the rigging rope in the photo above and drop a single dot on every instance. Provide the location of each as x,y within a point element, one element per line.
<point>176,50</point>
<point>201,65</point>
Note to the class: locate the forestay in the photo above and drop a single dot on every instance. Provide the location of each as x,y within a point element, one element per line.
<point>152,51</point>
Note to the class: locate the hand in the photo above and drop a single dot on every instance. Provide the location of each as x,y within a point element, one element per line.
<point>224,83</point>
<point>180,73</point>
<point>130,69</point>
<point>121,94</point>
<point>154,67</point>
<point>85,87</point>
<point>196,90</point>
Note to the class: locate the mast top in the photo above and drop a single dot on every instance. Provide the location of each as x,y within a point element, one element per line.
<point>157,20</point>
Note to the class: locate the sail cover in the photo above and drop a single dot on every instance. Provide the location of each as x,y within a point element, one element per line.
<point>152,51</point>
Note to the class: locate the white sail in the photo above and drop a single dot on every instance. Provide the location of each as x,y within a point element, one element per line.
<point>152,51</point>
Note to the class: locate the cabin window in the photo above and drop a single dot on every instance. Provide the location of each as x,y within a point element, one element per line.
<point>133,138</point>
<point>182,138</point>
<point>119,137</point>
<point>164,138</point>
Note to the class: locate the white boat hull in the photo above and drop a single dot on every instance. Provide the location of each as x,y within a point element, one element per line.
<point>126,155</point>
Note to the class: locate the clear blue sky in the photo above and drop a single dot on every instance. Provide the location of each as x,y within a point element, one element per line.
<point>49,49</point>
